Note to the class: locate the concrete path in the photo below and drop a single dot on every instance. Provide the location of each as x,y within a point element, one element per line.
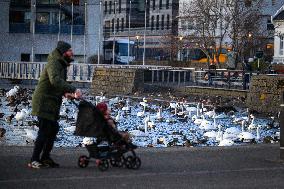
<point>252,166</point>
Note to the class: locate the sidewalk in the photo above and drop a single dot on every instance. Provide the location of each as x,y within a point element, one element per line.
<point>252,166</point>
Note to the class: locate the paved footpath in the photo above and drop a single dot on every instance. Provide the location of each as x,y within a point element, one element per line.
<point>252,166</point>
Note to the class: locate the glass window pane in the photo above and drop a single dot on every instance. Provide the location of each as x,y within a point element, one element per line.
<point>42,18</point>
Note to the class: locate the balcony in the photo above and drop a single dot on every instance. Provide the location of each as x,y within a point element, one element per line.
<point>64,29</point>
<point>278,60</point>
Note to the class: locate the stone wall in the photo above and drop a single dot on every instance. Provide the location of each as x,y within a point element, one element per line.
<point>115,81</point>
<point>266,93</point>
<point>198,91</point>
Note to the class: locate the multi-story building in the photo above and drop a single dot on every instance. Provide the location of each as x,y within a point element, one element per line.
<point>160,22</point>
<point>30,29</point>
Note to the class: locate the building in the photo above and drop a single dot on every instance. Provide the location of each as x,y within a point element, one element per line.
<point>278,21</point>
<point>266,9</point>
<point>160,22</point>
<point>30,29</point>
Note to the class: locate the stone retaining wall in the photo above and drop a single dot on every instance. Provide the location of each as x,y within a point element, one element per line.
<point>117,81</point>
<point>266,93</point>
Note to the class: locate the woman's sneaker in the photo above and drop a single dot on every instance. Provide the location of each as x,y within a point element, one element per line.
<point>36,165</point>
<point>50,163</point>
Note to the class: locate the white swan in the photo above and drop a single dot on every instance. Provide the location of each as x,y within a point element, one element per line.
<point>226,142</point>
<point>31,134</point>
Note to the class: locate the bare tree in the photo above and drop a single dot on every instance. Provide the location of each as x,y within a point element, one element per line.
<point>218,23</point>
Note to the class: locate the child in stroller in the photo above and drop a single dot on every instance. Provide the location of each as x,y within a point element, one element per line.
<point>95,121</point>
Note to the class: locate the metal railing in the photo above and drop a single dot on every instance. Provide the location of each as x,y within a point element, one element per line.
<point>158,75</point>
<point>219,78</point>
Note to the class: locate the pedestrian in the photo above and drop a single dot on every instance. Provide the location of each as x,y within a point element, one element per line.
<point>46,102</point>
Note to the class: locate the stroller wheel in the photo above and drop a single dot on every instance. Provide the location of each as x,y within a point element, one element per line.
<point>83,161</point>
<point>136,163</point>
<point>103,165</point>
<point>128,162</point>
<point>116,162</point>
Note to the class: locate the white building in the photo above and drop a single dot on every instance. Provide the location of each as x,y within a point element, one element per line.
<point>278,21</point>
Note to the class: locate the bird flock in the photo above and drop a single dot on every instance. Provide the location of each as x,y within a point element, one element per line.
<point>150,120</point>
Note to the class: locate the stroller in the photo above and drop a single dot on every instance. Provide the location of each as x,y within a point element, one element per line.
<point>117,152</point>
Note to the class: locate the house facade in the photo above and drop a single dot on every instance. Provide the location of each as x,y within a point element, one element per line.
<point>30,29</point>
<point>278,21</point>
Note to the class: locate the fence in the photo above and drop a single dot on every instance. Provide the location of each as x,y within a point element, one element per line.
<point>159,75</point>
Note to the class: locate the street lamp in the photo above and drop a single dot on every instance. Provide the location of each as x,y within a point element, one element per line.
<point>145,32</point>
<point>137,42</point>
<point>129,14</point>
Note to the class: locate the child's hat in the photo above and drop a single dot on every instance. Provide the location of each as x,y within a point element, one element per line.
<point>102,106</point>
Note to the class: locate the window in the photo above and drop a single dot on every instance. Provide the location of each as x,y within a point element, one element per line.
<point>25,57</point>
<point>42,18</point>
<point>110,7</point>
<point>112,25</point>
<point>162,22</point>
<point>117,24</point>
<point>122,24</point>
<point>154,4</point>
<point>119,6</point>
<point>19,17</point>
<point>281,50</point>
<point>152,23</point>
<point>158,22</point>
<point>167,4</point>
<point>161,4</point>
<point>168,21</point>
<point>105,7</point>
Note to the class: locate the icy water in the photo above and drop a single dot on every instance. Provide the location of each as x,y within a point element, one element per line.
<point>151,121</point>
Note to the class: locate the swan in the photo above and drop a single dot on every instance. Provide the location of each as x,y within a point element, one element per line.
<point>88,141</point>
<point>127,107</point>
<point>144,102</point>
<point>13,92</point>
<point>70,129</point>
<point>159,114</point>
<point>31,134</point>
<point>198,121</point>
<point>118,117</point>
<point>252,125</point>
<point>226,142</point>
<point>246,136</point>
<point>219,136</point>
<point>211,134</point>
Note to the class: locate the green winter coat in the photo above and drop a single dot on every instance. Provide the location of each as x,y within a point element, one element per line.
<point>52,85</point>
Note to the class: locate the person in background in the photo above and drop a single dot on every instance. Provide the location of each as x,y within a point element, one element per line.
<point>46,102</point>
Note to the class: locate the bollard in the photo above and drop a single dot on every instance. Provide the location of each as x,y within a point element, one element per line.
<point>281,119</point>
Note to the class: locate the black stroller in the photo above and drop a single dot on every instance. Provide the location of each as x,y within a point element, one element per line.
<point>117,152</point>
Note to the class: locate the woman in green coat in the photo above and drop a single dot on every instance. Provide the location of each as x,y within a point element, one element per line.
<point>46,102</point>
